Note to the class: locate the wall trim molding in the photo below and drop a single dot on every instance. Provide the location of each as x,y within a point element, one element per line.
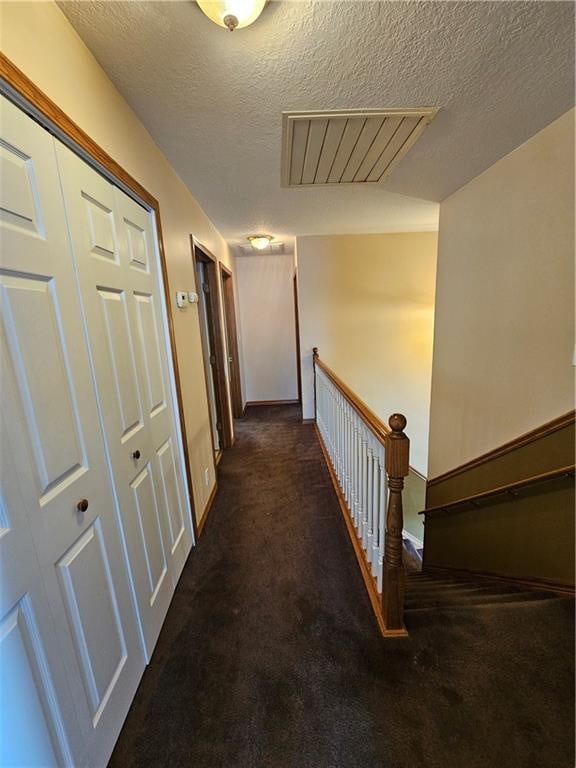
<point>207,508</point>
<point>410,536</point>
<point>538,433</point>
<point>270,402</point>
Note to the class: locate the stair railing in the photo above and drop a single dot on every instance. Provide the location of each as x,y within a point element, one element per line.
<point>368,462</point>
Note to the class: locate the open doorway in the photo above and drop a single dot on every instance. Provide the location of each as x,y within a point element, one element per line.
<point>231,341</point>
<point>211,332</point>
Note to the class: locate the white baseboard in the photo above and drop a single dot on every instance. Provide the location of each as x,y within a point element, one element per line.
<point>417,543</point>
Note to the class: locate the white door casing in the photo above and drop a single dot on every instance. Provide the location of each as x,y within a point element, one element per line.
<point>113,243</point>
<point>69,647</point>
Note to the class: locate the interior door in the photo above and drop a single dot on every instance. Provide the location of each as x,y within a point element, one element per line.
<point>208,355</point>
<point>70,655</point>
<point>113,244</point>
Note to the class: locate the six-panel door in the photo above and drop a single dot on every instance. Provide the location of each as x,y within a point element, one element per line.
<point>69,647</point>
<point>114,252</point>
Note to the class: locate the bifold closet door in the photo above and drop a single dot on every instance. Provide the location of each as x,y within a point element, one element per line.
<point>114,249</point>
<point>70,660</point>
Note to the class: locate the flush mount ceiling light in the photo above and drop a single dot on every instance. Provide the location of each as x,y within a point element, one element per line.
<point>260,242</point>
<point>233,14</point>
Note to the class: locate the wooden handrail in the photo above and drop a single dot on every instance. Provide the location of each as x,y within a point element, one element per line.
<point>376,425</point>
<point>509,488</point>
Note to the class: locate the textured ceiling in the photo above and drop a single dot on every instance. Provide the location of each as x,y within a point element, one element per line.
<point>500,71</point>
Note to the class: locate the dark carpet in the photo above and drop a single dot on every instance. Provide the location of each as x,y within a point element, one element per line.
<point>270,656</point>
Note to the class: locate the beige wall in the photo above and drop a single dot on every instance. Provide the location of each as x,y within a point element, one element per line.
<point>266,308</point>
<point>504,329</point>
<point>40,41</point>
<point>367,303</point>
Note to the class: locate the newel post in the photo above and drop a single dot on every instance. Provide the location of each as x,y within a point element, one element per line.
<point>397,467</point>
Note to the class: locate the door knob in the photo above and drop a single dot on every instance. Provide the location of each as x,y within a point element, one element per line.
<point>136,455</point>
<point>82,506</point>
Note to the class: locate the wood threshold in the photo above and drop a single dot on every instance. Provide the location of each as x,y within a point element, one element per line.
<point>544,584</point>
<point>309,421</point>
<point>528,482</point>
<point>525,439</point>
<point>369,580</point>
<point>26,89</point>
<point>375,424</point>
<point>207,509</point>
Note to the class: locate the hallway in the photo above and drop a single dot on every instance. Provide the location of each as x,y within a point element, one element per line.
<point>270,656</point>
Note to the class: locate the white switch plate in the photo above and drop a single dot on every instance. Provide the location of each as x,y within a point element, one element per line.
<point>181,299</point>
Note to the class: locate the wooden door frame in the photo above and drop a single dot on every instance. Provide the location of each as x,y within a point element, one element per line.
<point>297,328</point>
<point>201,254</point>
<point>26,95</point>
<point>227,281</point>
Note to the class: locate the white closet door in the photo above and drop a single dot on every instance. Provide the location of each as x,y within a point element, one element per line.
<point>70,655</point>
<point>114,249</point>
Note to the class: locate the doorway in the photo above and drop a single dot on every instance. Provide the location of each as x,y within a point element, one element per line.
<point>212,336</point>
<point>231,341</point>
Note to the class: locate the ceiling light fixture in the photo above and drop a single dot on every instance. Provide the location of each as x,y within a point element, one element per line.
<point>260,242</point>
<point>233,14</point>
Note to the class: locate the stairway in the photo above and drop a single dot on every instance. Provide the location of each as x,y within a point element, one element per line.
<point>431,591</point>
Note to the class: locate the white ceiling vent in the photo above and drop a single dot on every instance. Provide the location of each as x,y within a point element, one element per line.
<point>347,147</point>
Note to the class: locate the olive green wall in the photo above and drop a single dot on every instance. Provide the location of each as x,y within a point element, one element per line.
<point>530,535</point>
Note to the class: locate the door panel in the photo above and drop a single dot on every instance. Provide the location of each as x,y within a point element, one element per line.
<point>30,307</point>
<point>170,494</point>
<point>150,352</point>
<point>52,455</point>
<point>150,532</point>
<point>120,354</point>
<point>28,732</point>
<point>92,606</point>
<point>122,307</point>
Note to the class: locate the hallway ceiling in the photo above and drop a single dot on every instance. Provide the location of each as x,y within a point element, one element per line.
<point>212,100</point>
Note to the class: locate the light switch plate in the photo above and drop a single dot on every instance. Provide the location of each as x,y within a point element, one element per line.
<point>181,299</point>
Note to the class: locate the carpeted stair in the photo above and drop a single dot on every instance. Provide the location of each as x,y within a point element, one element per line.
<point>428,591</point>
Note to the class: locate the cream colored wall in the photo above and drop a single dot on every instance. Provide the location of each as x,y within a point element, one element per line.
<point>266,309</point>
<point>40,41</point>
<point>504,332</point>
<point>367,303</point>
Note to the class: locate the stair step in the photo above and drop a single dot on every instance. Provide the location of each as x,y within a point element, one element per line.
<point>479,600</point>
<point>477,607</point>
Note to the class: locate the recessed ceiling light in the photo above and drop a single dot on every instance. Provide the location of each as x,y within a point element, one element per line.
<point>233,14</point>
<point>260,242</point>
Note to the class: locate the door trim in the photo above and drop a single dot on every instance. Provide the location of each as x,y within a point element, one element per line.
<point>223,405</point>
<point>229,306</point>
<point>21,90</point>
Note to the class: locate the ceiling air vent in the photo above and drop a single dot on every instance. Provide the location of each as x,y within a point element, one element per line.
<point>347,147</point>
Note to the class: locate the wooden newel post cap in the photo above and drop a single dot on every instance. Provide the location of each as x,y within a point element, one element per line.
<point>397,422</point>
<point>315,351</point>
<point>397,447</point>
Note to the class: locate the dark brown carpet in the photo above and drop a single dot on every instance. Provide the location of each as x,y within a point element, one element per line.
<point>270,657</point>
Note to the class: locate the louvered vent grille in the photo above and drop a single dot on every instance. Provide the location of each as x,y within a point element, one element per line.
<point>357,147</point>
